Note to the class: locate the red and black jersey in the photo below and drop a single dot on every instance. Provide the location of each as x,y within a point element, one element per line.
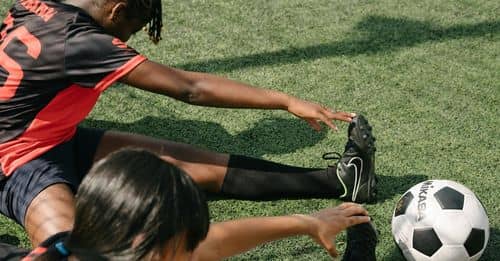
<point>55,60</point>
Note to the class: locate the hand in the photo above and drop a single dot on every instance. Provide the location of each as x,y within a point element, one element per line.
<point>327,223</point>
<point>314,113</point>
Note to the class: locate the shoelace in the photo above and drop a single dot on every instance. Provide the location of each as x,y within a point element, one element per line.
<point>332,156</point>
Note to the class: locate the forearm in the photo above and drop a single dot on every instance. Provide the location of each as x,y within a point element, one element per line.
<point>203,89</point>
<point>212,90</point>
<point>233,237</point>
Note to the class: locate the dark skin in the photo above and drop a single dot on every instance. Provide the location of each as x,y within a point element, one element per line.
<point>52,210</point>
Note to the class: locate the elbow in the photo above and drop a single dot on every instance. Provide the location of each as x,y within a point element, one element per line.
<point>193,97</point>
<point>195,94</point>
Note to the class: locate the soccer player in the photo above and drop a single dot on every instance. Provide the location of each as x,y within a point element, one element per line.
<point>57,57</point>
<point>120,215</point>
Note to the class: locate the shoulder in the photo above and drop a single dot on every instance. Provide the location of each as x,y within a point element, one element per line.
<point>86,40</point>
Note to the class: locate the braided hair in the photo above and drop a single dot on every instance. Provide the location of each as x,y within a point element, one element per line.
<point>150,12</point>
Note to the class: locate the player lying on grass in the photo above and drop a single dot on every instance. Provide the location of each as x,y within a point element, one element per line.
<point>121,215</point>
<point>57,57</point>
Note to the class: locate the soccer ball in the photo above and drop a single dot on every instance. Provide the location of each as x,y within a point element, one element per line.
<point>440,220</point>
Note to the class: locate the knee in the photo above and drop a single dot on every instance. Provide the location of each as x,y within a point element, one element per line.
<point>50,212</point>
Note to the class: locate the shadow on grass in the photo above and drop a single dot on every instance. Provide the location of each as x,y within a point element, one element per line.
<point>268,136</point>
<point>9,239</point>
<point>395,254</point>
<point>492,251</point>
<point>381,34</point>
<point>298,252</point>
<point>389,186</point>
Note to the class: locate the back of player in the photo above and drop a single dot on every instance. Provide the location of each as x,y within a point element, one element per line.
<point>55,61</point>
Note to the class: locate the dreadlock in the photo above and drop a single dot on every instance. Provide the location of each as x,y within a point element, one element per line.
<point>155,24</point>
<point>150,11</point>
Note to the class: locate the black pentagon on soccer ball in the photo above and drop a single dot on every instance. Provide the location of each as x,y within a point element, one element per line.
<point>449,198</point>
<point>475,241</point>
<point>403,204</point>
<point>426,241</point>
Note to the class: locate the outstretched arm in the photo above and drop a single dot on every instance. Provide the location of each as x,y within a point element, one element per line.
<point>233,237</point>
<point>210,90</point>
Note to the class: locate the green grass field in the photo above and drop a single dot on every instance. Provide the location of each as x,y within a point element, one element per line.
<point>425,73</point>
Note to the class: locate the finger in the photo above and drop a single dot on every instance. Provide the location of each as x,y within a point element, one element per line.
<point>339,114</point>
<point>343,116</point>
<point>314,124</point>
<point>329,245</point>
<point>347,205</point>
<point>329,123</point>
<point>333,251</point>
<point>354,220</point>
<point>355,210</point>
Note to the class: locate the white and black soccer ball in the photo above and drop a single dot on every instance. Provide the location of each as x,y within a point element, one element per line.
<point>440,220</point>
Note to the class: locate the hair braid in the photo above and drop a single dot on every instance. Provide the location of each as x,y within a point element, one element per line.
<point>155,24</point>
<point>151,11</point>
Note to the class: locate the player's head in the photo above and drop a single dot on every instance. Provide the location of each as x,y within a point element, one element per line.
<point>122,18</point>
<point>133,206</point>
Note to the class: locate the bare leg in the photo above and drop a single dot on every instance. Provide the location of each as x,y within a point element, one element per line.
<point>205,167</point>
<point>50,212</point>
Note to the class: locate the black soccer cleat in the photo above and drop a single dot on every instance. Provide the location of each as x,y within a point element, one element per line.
<point>362,240</point>
<point>355,169</point>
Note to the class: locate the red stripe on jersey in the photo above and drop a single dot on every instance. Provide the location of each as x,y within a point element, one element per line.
<point>118,73</point>
<point>119,43</point>
<point>56,123</point>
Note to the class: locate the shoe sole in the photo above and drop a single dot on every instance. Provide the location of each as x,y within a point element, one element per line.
<point>360,132</point>
<point>368,230</point>
<point>362,240</point>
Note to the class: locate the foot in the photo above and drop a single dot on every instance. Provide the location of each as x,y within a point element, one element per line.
<point>362,240</point>
<point>355,169</point>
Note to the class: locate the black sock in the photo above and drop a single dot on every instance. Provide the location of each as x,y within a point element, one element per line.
<point>257,179</point>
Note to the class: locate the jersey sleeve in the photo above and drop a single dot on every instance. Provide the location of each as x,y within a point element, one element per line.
<point>95,59</point>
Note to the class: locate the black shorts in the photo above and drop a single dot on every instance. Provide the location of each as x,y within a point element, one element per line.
<point>12,253</point>
<point>66,163</point>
